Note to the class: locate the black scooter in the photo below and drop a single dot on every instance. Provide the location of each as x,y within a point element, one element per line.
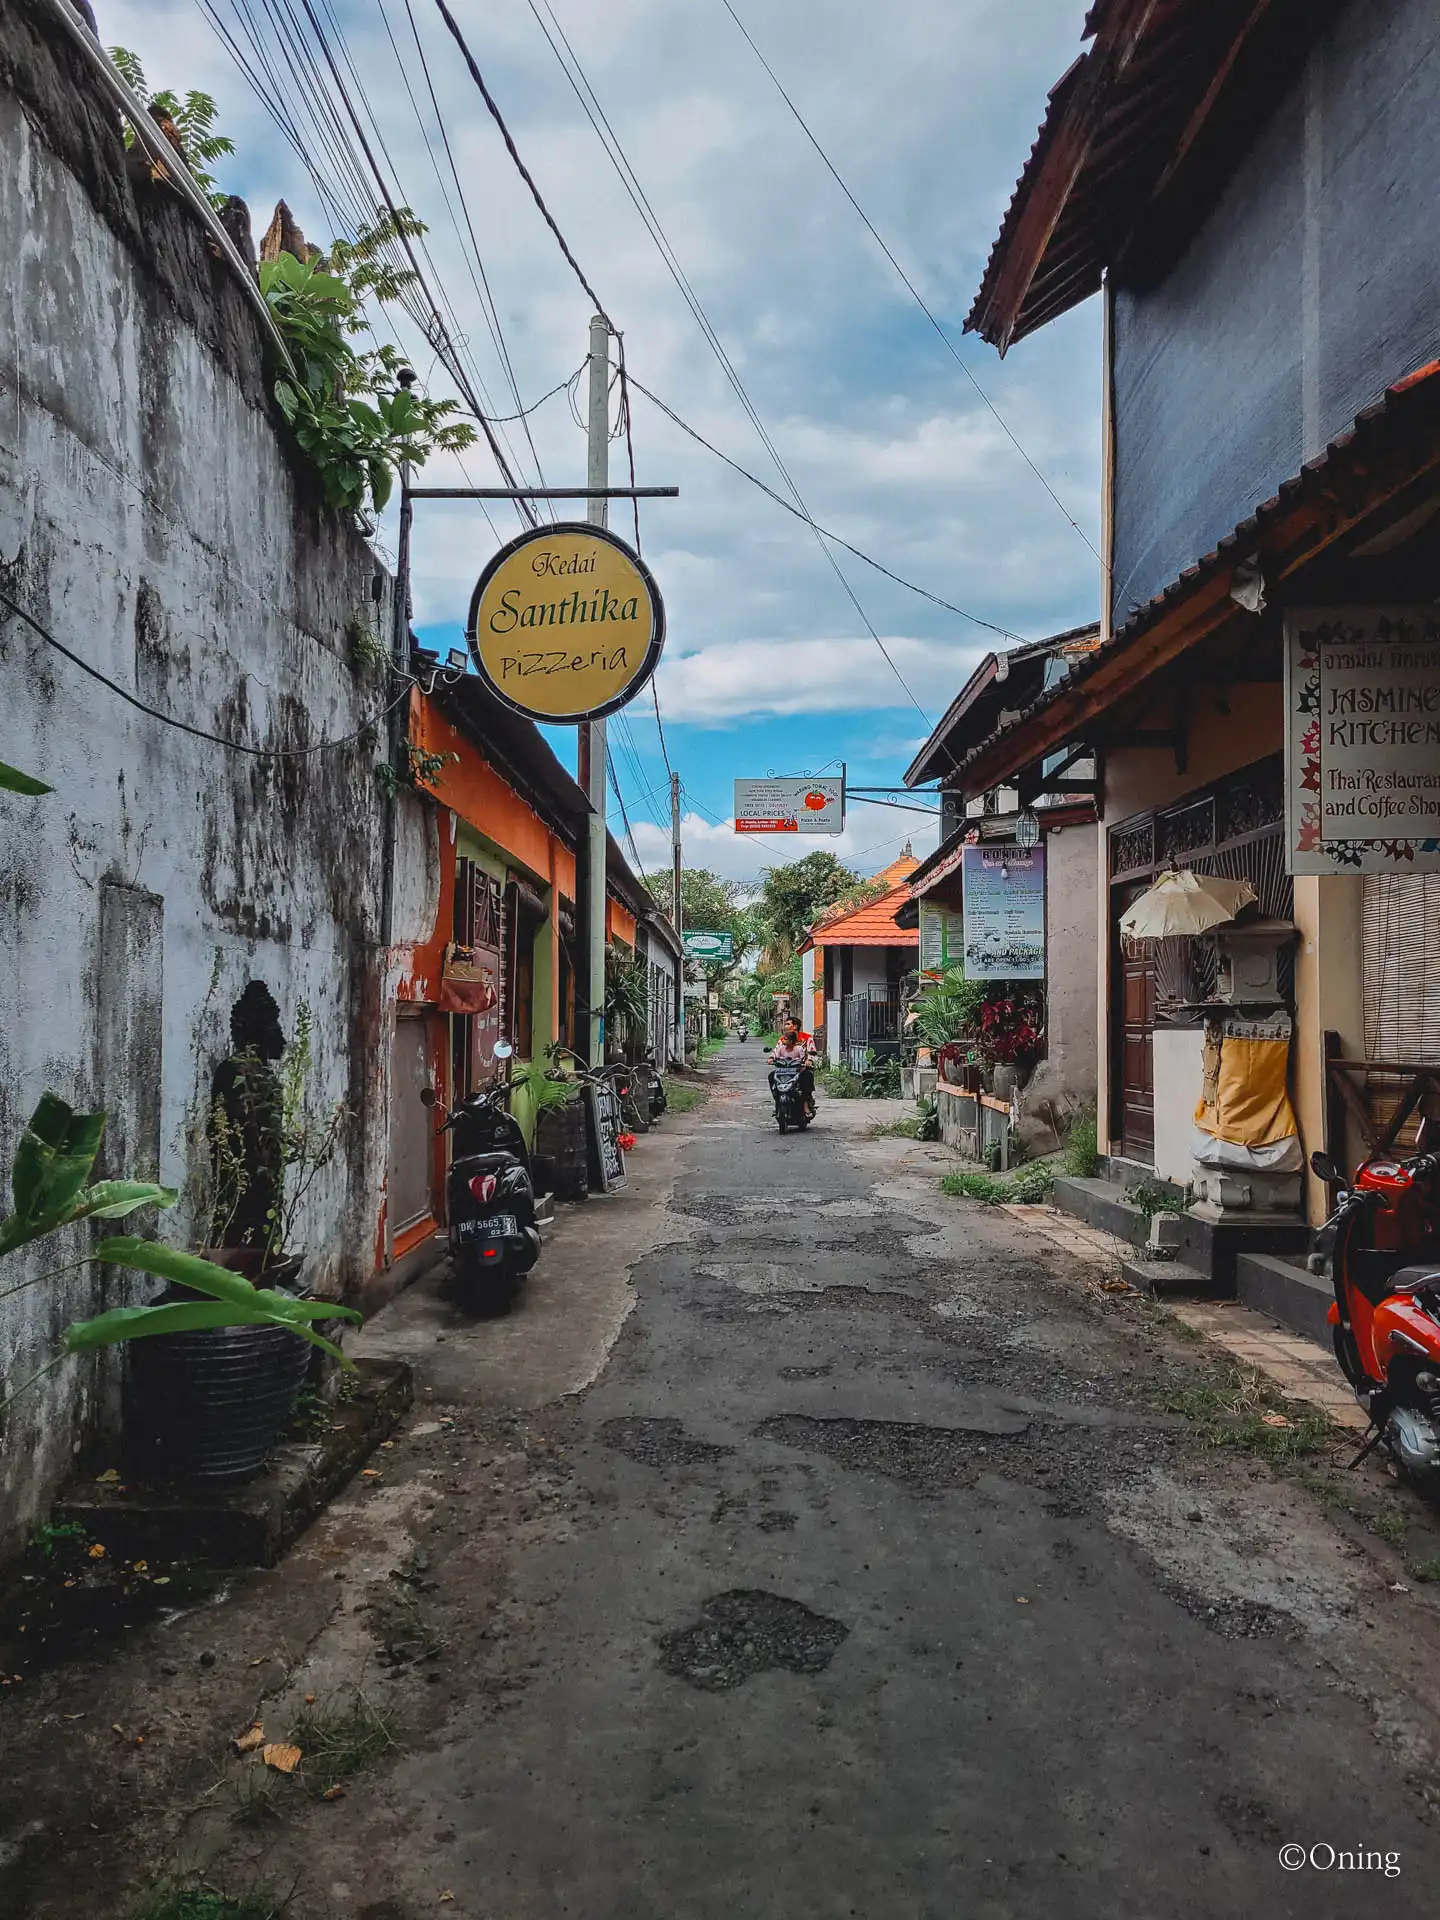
<point>790,1106</point>
<point>490,1196</point>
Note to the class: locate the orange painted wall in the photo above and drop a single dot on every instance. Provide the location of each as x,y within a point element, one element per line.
<point>473,789</point>
<point>619,923</point>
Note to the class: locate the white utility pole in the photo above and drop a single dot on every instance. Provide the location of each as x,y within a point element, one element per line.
<point>591,756</point>
<point>676,915</point>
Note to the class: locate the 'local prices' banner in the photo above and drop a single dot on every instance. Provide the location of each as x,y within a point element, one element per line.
<point>1004,913</point>
<point>790,806</point>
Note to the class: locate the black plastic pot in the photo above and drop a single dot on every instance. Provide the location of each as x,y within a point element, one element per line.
<point>209,1406</point>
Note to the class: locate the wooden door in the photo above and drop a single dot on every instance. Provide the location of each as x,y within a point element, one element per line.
<point>1137,1054</point>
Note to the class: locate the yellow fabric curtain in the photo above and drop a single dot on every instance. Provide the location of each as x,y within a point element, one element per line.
<point>1243,1099</point>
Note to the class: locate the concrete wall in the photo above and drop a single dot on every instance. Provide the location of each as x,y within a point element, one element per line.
<point>1066,1077</point>
<point>153,518</point>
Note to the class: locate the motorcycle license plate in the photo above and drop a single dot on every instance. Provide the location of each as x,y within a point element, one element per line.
<point>498,1227</point>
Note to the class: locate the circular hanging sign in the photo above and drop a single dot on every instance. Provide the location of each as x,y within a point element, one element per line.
<point>566,623</point>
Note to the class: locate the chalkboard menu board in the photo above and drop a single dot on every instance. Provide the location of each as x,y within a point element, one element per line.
<point>607,1162</point>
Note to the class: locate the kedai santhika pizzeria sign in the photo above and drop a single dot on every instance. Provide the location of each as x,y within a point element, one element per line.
<point>566,623</point>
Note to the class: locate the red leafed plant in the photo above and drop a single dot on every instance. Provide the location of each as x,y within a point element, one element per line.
<point>1009,1031</point>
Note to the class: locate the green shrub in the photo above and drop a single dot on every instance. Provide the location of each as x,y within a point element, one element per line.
<point>1030,1187</point>
<point>840,1083</point>
<point>882,1078</point>
<point>1082,1145</point>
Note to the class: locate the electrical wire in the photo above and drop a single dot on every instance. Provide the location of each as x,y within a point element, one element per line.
<point>914,291</point>
<point>514,152</point>
<point>184,726</point>
<point>285,67</point>
<point>780,501</point>
<point>615,152</point>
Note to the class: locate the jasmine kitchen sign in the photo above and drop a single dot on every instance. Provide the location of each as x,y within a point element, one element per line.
<point>1362,744</point>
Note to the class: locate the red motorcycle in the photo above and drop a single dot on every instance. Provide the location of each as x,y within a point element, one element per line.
<point>1381,1247</point>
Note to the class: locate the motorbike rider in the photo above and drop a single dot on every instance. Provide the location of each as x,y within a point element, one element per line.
<point>797,1048</point>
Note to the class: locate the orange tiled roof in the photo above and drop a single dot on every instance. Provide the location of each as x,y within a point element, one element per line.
<point>872,924</point>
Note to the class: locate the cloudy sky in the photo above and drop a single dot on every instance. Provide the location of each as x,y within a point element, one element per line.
<point>927,109</point>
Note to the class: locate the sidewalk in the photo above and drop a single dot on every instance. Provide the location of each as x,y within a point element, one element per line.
<point>1300,1369</point>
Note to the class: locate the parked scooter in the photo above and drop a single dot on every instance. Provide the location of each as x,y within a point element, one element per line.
<point>790,1106</point>
<point>490,1196</point>
<point>1382,1249</point>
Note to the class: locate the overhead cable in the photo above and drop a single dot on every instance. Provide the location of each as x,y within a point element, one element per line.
<point>184,726</point>
<point>914,291</point>
<point>589,101</point>
<point>514,152</point>
<point>780,501</point>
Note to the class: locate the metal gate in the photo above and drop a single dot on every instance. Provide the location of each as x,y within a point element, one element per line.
<point>869,1024</point>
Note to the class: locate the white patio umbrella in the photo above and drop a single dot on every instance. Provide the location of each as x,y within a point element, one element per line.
<point>1182,904</point>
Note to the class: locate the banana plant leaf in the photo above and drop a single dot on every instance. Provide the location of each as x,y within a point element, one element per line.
<point>51,1166</point>
<point>113,1199</point>
<point>204,1276</point>
<point>188,1316</point>
<point>12,780</point>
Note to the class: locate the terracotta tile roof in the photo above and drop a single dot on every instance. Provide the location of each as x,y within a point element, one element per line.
<point>872,923</point>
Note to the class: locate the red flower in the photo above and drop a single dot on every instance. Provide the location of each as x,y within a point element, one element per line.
<point>626,1141</point>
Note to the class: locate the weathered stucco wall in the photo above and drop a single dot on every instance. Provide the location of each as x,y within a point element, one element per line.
<point>1066,1077</point>
<point>153,519</point>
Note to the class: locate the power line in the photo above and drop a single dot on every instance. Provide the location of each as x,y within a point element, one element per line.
<point>615,152</point>
<point>780,501</point>
<point>184,726</point>
<point>914,291</point>
<point>514,152</point>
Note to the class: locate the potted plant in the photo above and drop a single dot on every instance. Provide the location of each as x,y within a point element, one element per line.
<point>52,1192</point>
<point>1009,1040</point>
<point>550,1092</point>
<point>226,1392</point>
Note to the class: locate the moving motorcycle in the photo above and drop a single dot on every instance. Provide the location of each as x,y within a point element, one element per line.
<point>791,1109</point>
<point>1381,1247</point>
<point>490,1195</point>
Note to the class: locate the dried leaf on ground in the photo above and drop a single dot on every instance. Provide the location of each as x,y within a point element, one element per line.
<point>253,1736</point>
<point>282,1756</point>
<point>1276,1420</point>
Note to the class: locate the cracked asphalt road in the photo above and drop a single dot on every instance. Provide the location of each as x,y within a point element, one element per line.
<point>855,1572</point>
<point>872,1607</point>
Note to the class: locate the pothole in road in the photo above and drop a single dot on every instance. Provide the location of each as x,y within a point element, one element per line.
<point>728,1209</point>
<point>923,1456</point>
<point>658,1443</point>
<point>762,1276</point>
<point>745,1632</point>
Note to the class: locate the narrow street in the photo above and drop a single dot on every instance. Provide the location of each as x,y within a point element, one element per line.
<point>865,1579</point>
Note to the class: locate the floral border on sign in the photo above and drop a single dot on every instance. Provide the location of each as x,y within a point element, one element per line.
<point>1306,792</point>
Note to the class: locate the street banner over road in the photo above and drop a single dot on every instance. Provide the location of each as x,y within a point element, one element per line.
<point>566,623</point>
<point>790,805</point>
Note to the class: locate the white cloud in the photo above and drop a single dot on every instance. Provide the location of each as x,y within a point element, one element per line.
<point>734,678</point>
<point>929,113</point>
